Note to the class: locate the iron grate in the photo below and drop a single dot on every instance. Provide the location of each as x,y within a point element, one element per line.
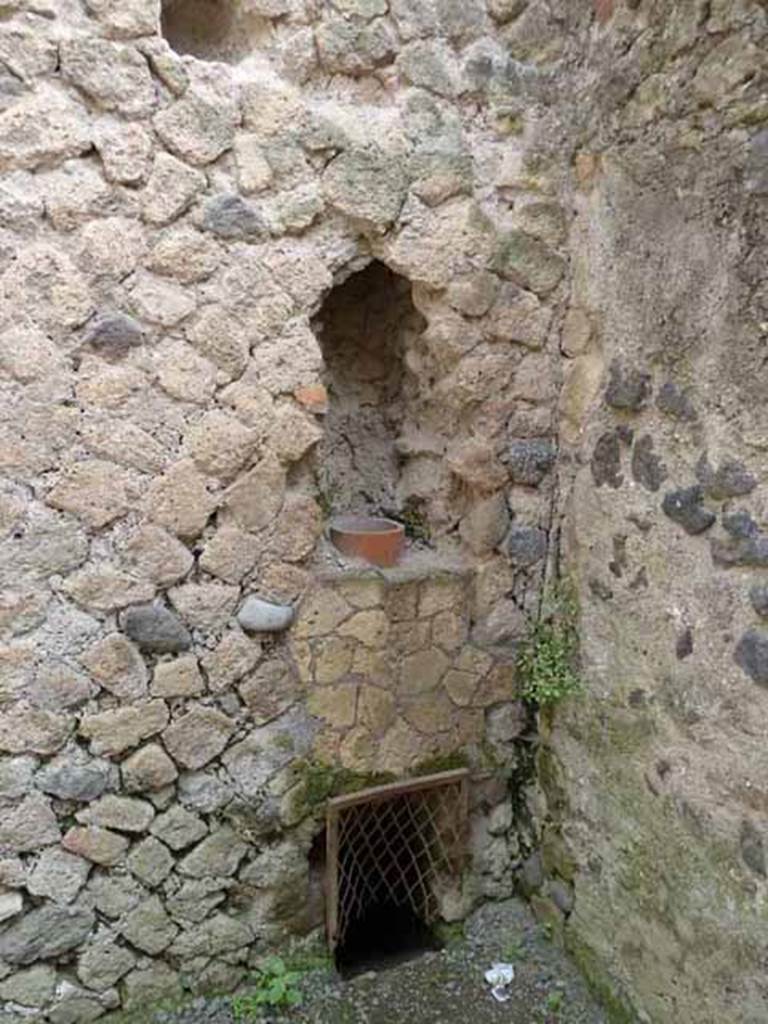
<point>394,843</point>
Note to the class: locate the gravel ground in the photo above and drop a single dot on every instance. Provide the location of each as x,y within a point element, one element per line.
<point>445,987</point>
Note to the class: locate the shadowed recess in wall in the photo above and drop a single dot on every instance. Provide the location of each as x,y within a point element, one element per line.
<point>219,30</point>
<point>365,327</point>
<point>393,852</point>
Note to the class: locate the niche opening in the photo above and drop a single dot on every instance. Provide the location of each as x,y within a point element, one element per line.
<point>391,852</point>
<point>214,30</point>
<point>364,328</point>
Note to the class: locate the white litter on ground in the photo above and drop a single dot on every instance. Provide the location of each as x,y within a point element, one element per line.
<point>500,976</point>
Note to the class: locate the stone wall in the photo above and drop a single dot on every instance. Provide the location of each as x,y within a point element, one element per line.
<point>656,778</point>
<point>170,226</point>
<point>573,193</point>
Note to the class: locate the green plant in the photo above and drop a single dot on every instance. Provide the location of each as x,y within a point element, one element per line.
<point>555,1002</point>
<point>512,951</point>
<point>276,987</point>
<point>415,521</point>
<point>547,657</point>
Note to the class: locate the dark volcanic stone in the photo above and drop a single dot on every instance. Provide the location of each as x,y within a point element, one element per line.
<point>758,595</point>
<point>752,849</point>
<point>526,545</point>
<point>684,644</point>
<point>751,655</point>
<point>113,334</point>
<point>156,629</point>
<point>647,467</point>
<point>731,479</point>
<point>744,545</point>
<point>529,461</point>
<point>674,402</point>
<point>685,507</point>
<point>628,388</point>
<point>229,216</point>
<point>606,461</point>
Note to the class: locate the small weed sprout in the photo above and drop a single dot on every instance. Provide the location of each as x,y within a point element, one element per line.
<point>276,988</point>
<point>555,1002</point>
<point>547,657</point>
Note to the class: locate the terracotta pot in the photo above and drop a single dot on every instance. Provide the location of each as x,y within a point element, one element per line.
<point>378,541</point>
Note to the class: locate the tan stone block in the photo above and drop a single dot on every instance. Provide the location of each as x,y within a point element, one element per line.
<point>369,627</point>
<point>400,749</point>
<point>421,672</point>
<point>220,445</point>
<point>256,498</point>
<point>498,686</point>
<point>460,687</point>
<point>473,660</point>
<point>117,665</point>
<point>270,690</point>
<point>320,613</point>
<point>105,386</point>
<point>357,751</point>
<point>198,736</point>
<point>184,253</point>
<point>96,491</point>
<point>112,732</point>
<point>576,332</point>
<point>205,606</point>
<point>234,657</point>
<point>155,555</point>
<point>449,631</point>
<point>96,844</point>
<point>297,529</point>
<point>475,462</point>
<point>180,500</point>
<point>333,659</point>
<point>438,595</point>
<point>470,727</point>
<point>301,652</point>
<point>124,443</point>
<point>401,601</point>
<point>582,381</point>
<point>375,709</point>
<point>253,171</point>
<point>252,404</point>
<point>218,335</point>
<point>484,526</point>
<point>493,580</point>
<point>29,730</point>
<point>148,769</point>
<point>430,714</point>
<point>230,554</point>
<point>407,637</point>
<point>183,373</point>
<point>283,583</point>
<point>372,665</point>
<point>105,588</point>
<point>363,592</point>
<point>178,678</point>
<point>293,433</point>
<point>337,705</point>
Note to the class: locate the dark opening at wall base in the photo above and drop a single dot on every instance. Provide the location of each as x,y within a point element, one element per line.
<point>385,935</point>
<point>391,850</point>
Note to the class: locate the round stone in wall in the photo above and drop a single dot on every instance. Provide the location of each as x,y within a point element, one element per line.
<point>257,616</point>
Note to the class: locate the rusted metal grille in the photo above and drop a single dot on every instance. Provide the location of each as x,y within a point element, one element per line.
<point>396,844</point>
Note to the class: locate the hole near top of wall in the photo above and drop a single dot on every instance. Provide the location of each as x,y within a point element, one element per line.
<point>228,31</point>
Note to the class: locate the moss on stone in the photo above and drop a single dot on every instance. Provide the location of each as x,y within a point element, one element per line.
<point>441,763</point>
<point>608,993</point>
